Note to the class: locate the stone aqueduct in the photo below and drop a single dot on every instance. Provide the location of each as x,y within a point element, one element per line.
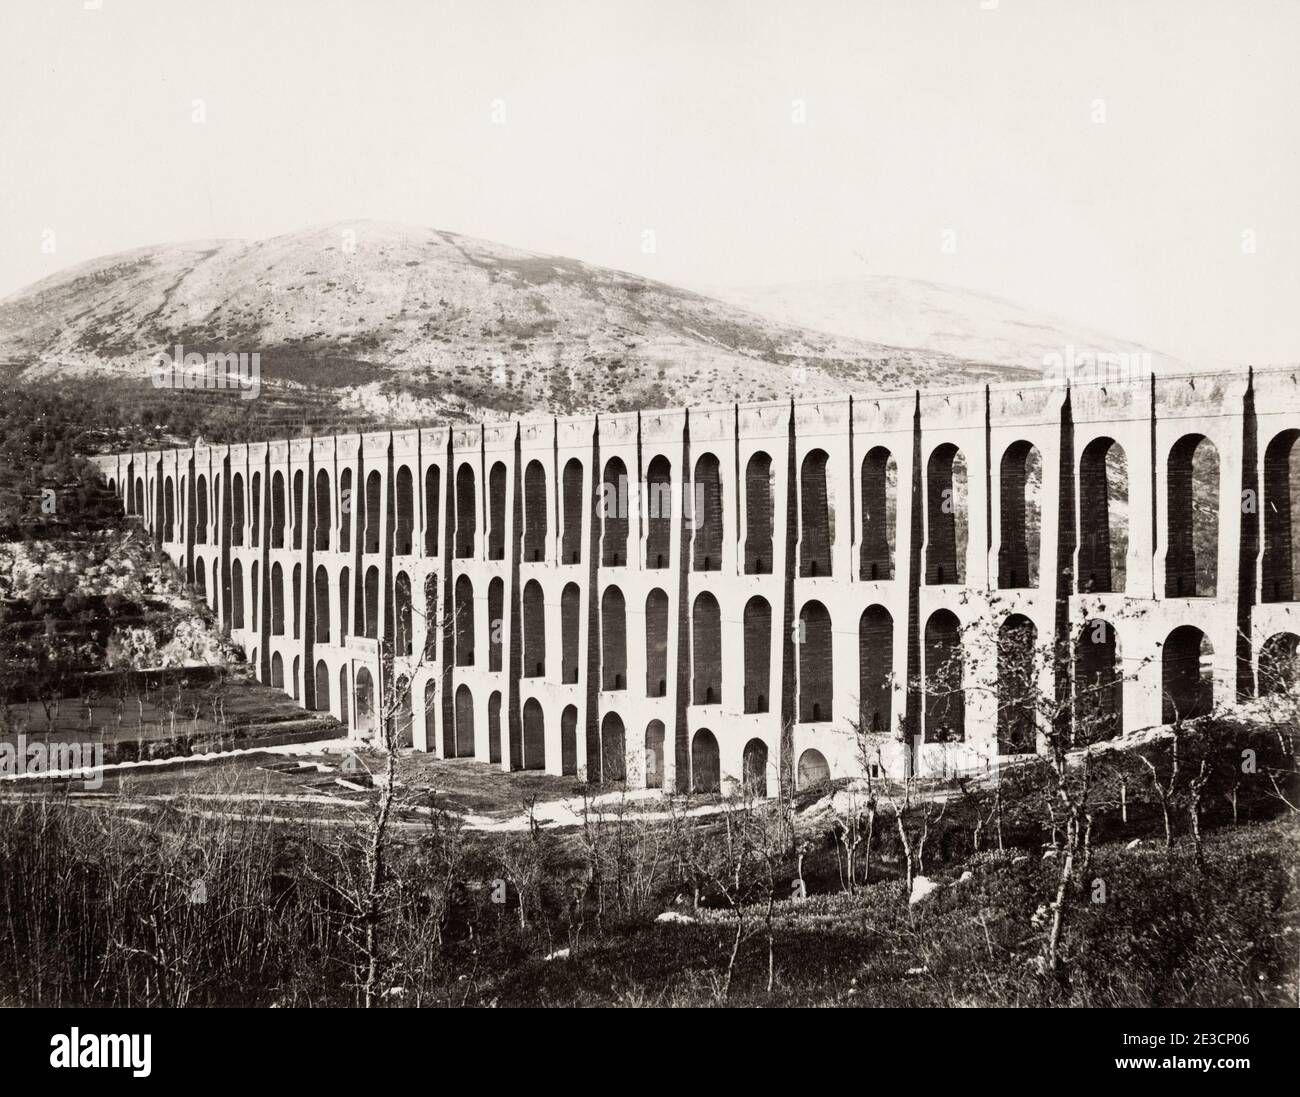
<point>661,596</point>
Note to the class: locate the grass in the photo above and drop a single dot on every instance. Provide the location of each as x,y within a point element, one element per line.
<point>1166,935</point>
<point>96,907</point>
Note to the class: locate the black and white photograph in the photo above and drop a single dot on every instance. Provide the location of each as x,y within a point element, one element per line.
<point>555,504</point>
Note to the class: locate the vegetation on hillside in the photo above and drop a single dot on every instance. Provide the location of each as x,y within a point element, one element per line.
<point>202,906</point>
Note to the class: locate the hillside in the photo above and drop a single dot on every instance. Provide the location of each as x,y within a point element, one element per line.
<point>404,323</point>
<point>948,320</point>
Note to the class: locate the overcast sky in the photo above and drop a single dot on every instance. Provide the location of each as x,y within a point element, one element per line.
<point>1130,164</point>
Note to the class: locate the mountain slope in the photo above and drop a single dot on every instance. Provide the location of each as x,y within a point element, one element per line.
<point>412,322</point>
<point>947,320</point>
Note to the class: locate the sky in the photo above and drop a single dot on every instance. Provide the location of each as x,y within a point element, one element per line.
<point>1133,165</point>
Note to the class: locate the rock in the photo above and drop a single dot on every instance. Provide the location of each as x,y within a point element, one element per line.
<point>676,918</point>
<point>558,954</point>
<point>967,875</point>
<point>1048,854</point>
<point>918,971</point>
<point>1134,844</point>
<point>922,888</point>
<point>1019,860</point>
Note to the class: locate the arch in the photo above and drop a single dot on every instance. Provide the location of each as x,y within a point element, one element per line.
<point>1017,686</point>
<point>943,679</point>
<point>758,654</point>
<point>464,728</point>
<point>139,497</point>
<point>659,513</point>
<point>947,521</point>
<point>404,720</point>
<point>323,516</point>
<point>816,516</point>
<point>1098,683</point>
<point>656,644</point>
<point>497,511</point>
<point>403,636</point>
<point>236,594</point>
<point>169,510</point>
<point>879,515</point>
<point>277,509</point>
<point>404,522</point>
<point>345,706</point>
<point>570,602</point>
<point>494,727</point>
<point>569,741</point>
<point>613,749</point>
<point>1103,517</point>
<point>654,754</point>
<point>571,548</point>
<point>371,512</point>
<point>465,513</point>
<point>534,614</point>
<point>200,508</point>
<point>613,640</point>
<point>1279,664</point>
<point>463,611</point>
<point>1281,567</point>
<point>876,669</point>
<point>277,670</point>
<point>322,690</point>
<point>706,650</point>
<point>496,622</point>
<point>705,517</point>
<point>432,515</point>
<point>1021,482</point>
<point>256,593</point>
<point>297,519</point>
<point>758,515</point>
<point>201,578</point>
<point>431,617</point>
<point>296,588</point>
<point>255,504</point>
<point>706,762</point>
<point>534,735</point>
<point>277,599</point>
<point>237,518</point>
<point>346,507</point>
<point>1192,525</point>
<point>372,602</point>
<point>813,769</point>
<point>613,514</point>
<point>345,589</point>
<point>534,512</point>
<point>816,665</point>
<point>754,767</point>
<point>431,715</point>
<point>1187,675</point>
<point>322,604</point>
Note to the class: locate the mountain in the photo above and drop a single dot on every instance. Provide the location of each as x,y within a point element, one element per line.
<point>907,312</point>
<point>405,323</point>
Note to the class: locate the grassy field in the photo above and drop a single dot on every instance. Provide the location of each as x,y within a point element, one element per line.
<point>1166,935</point>
<point>522,889</point>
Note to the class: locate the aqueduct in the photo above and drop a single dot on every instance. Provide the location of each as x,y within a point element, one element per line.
<point>683,598</point>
